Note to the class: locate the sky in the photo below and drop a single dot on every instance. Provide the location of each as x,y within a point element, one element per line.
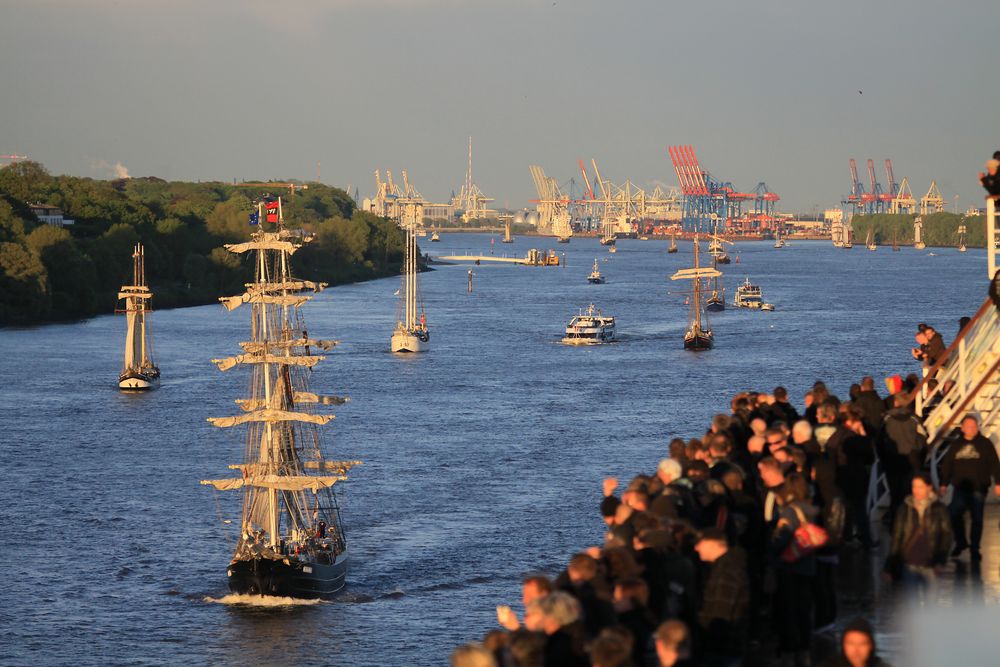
<point>780,91</point>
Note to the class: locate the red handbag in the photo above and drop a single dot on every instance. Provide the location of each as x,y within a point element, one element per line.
<point>807,538</point>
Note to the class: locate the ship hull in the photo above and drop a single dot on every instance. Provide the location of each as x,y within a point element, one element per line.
<point>698,341</point>
<point>406,342</point>
<point>264,576</point>
<point>133,381</point>
<point>715,306</point>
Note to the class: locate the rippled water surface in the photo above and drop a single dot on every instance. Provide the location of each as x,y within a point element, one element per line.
<point>483,458</point>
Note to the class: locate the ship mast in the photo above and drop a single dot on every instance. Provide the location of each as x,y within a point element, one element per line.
<point>273,473</point>
<point>136,296</point>
<point>697,288</point>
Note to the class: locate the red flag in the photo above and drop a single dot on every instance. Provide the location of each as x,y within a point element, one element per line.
<point>272,211</point>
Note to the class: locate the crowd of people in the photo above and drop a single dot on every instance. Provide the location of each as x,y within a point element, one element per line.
<point>730,547</point>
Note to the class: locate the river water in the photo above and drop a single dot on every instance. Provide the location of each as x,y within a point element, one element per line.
<point>483,457</point>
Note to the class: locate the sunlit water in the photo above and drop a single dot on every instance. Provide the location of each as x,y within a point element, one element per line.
<point>483,457</point>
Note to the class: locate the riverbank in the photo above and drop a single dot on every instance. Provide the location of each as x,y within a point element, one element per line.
<point>72,270</point>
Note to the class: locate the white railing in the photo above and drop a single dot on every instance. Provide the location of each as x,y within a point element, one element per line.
<point>992,236</point>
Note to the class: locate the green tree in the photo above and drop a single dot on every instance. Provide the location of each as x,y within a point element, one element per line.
<point>23,284</point>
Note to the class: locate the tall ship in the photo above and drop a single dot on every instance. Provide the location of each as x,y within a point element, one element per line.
<point>716,301</point>
<point>291,541</point>
<point>139,373</point>
<point>411,334</point>
<point>699,334</point>
<point>716,248</point>
<point>608,227</point>
<point>507,238</point>
<point>561,227</point>
<point>779,240</point>
<point>961,238</point>
<point>918,233</point>
<point>672,248</point>
<point>590,327</point>
<point>849,242</point>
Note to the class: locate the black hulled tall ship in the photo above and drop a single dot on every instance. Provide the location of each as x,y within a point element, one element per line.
<point>698,335</point>
<point>291,541</point>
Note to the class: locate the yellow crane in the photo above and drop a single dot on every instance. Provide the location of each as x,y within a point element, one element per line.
<point>932,202</point>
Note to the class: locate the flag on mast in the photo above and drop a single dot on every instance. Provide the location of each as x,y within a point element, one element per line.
<point>272,208</point>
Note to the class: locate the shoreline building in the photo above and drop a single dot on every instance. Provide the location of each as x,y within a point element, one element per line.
<point>50,215</point>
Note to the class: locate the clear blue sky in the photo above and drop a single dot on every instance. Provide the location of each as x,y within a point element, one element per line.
<point>248,89</point>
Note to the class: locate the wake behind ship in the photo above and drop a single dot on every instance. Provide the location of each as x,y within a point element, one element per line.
<point>291,541</point>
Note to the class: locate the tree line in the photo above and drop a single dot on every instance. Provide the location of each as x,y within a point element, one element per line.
<point>50,273</point>
<point>940,229</point>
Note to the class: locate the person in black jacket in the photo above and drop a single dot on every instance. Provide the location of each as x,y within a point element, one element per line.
<point>990,180</point>
<point>794,575</point>
<point>968,466</point>
<point>725,597</point>
<point>833,518</point>
<point>852,449</point>
<point>921,537</point>
<point>870,403</point>
<point>902,446</point>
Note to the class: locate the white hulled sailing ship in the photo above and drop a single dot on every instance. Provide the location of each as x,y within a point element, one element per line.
<point>139,373</point>
<point>961,238</point>
<point>673,244</point>
<point>291,541</point>
<point>411,333</point>
<point>699,335</point>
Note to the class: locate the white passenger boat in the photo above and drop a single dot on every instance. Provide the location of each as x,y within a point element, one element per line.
<point>590,327</point>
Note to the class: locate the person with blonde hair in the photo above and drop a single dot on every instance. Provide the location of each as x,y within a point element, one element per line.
<point>472,655</point>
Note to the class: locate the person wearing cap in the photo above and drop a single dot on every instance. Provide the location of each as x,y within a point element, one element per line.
<point>725,598</point>
<point>857,647</point>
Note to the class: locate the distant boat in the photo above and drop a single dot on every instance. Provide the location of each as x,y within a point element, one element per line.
<point>673,244</point>
<point>139,373</point>
<point>590,327</point>
<point>562,228</point>
<point>595,277</point>
<point>717,249</point>
<point>716,302</point>
<point>411,334</point>
<point>849,243</point>
<point>699,335</point>
<point>613,249</point>
<point>961,238</point>
<point>895,243</point>
<point>750,296</point>
<point>870,240</point>
<point>778,241</point>
<point>918,234</point>
<point>435,237</point>
<point>507,238</point>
